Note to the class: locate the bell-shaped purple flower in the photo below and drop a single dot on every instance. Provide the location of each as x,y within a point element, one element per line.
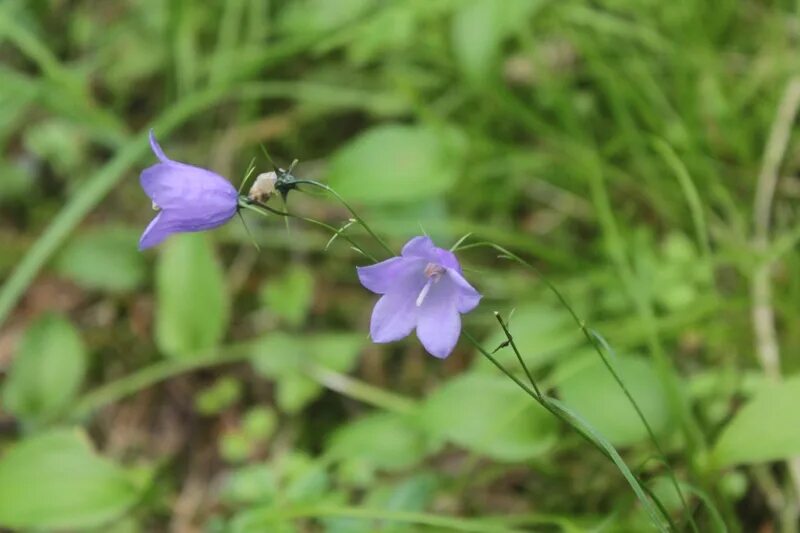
<point>188,198</point>
<point>423,289</point>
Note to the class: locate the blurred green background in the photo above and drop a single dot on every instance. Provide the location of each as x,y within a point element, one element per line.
<point>619,145</point>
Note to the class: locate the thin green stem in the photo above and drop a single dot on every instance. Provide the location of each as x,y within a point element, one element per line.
<point>595,439</point>
<point>596,346</point>
<point>260,519</point>
<point>163,370</point>
<point>106,178</point>
<point>352,212</point>
<point>259,208</point>
<point>558,410</point>
<point>359,390</point>
<point>517,353</point>
<point>147,377</point>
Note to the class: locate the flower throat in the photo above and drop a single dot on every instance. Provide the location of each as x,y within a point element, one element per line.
<point>433,272</point>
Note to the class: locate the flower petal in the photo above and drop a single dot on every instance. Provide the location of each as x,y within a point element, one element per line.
<point>384,276</point>
<point>423,246</point>
<point>192,189</point>
<point>438,321</point>
<point>468,297</point>
<point>393,317</point>
<point>157,149</point>
<point>155,232</point>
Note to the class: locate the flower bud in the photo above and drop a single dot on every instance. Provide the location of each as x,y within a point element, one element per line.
<point>263,188</point>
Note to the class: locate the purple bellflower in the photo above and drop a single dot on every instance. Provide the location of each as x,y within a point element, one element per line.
<point>188,198</point>
<point>423,289</point>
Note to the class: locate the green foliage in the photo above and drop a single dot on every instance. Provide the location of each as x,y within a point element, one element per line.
<point>259,423</point>
<point>543,334</point>
<point>104,259</point>
<point>255,428</point>
<point>193,307</point>
<point>55,481</point>
<point>412,494</point>
<point>235,446</point>
<point>615,144</point>
<point>59,141</point>
<point>479,28</point>
<point>489,415</point>
<point>290,296</point>
<point>221,395</point>
<point>384,441</point>
<point>765,429</point>
<point>395,163</point>
<point>313,16</point>
<point>48,371</point>
<point>287,360</point>
<point>587,386</point>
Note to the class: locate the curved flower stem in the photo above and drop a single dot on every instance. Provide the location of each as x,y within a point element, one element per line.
<point>595,344</point>
<point>259,208</point>
<point>552,405</point>
<point>261,519</point>
<point>542,400</point>
<point>355,215</point>
<point>561,412</point>
<point>135,148</point>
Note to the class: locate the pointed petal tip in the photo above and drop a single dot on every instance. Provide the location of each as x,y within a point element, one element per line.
<point>154,234</point>
<point>419,246</point>
<point>159,153</point>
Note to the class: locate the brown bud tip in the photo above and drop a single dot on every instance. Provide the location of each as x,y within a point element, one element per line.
<point>263,188</point>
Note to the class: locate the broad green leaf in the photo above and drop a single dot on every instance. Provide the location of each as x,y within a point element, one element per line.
<point>478,30</point>
<point>278,354</point>
<point>47,371</point>
<point>55,481</point>
<point>335,351</point>
<point>104,259</point>
<point>490,415</point>
<point>193,307</point>
<point>477,33</point>
<point>290,295</point>
<point>286,359</point>
<point>304,479</point>
<point>591,390</point>
<point>767,428</point>
<point>394,163</point>
<point>412,494</point>
<point>580,424</point>
<point>315,16</point>
<point>384,440</point>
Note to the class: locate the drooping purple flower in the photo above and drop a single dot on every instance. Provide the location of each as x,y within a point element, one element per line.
<point>423,289</point>
<point>188,198</point>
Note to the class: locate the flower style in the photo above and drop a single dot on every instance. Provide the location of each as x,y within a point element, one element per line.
<point>423,289</point>
<point>188,198</point>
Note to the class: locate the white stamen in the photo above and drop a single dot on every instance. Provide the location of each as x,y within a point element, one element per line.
<point>424,292</point>
<point>433,272</point>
